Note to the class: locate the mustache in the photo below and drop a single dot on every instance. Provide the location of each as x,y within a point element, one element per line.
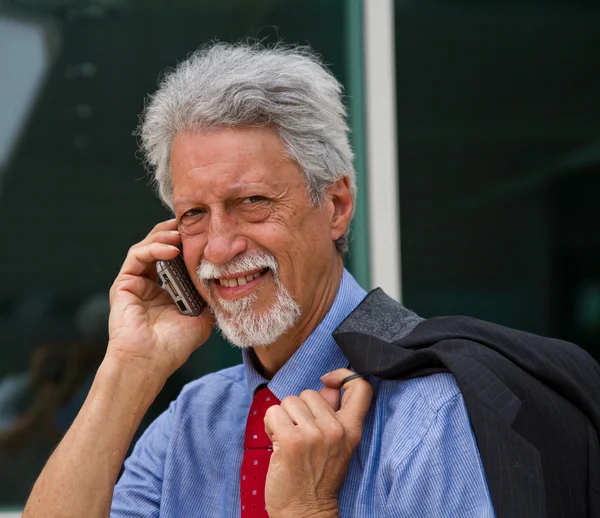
<point>239,265</point>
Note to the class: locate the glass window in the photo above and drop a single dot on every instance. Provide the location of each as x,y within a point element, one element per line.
<point>74,196</point>
<point>499,162</point>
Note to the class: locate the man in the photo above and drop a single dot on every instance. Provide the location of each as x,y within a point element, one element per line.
<point>249,147</point>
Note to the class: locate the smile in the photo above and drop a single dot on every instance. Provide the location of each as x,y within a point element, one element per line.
<point>240,280</point>
<point>239,285</point>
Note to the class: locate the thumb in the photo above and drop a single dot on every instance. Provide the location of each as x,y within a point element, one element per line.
<point>356,400</point>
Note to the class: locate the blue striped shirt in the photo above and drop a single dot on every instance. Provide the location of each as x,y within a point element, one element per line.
<point>417,456</point>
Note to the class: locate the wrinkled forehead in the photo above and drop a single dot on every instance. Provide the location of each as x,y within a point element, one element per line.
<point>228,161</point>
<point>234,142</point>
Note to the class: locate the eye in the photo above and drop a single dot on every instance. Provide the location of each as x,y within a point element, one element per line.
<point>193,212</point>
<point>194,221</point>
<point>252,199</point>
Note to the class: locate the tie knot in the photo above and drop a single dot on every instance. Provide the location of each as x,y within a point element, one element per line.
<point>255,436</point>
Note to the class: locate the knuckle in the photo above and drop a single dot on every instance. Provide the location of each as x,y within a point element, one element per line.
<point>115,286</point>
<point>295,442</point>
<point>313,434</point>
<point>270,412</point>
<point>335,431</point>
<point>132,250</point>
<point>308,394</point>
<point>112,293</point>
<point>153,237</point>
<point>288,401</point>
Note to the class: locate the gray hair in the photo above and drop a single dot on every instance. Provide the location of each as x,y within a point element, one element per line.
<point>249,84</point>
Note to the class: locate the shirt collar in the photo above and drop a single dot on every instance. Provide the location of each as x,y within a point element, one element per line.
<point>318,355</point>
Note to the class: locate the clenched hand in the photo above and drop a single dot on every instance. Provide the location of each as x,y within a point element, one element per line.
<point>313,442</point>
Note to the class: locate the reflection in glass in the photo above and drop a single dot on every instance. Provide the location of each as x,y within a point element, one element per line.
<point>74,193</point>
<point>499,161</point>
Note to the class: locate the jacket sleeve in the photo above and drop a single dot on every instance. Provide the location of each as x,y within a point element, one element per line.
<point>443,475</point>
<point>138,491</point>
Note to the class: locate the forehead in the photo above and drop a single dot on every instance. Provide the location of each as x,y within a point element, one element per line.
<point>229,159</point>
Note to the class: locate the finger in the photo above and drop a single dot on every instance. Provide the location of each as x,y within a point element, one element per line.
<point>164,229</point>
<point>317,404</point>
<point>334,378</point>
<point>169,224</point>
<point>297,410</point>
<point>350,378</point>
<point>332,396</point>
<point>356,399</point>
<point>170,237</point>
<point>142,258</point>
<point>277,421</point>
<point>143,288</point>
<point>164,232</point>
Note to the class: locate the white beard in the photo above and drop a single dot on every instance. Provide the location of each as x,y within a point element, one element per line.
<point>237,320</point>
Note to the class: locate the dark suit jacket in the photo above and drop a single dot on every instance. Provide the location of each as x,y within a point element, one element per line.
<point>533,402</point>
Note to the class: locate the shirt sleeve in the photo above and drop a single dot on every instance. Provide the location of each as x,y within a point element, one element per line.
<point>137,493</point>
<point>443,475</point>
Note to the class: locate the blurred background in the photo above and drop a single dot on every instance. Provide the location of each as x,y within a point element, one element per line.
<point>477,124</point>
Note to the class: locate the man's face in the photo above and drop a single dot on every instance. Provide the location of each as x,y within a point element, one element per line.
<point>260,247</point>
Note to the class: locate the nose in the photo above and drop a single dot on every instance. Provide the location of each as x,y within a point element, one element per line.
<point>224,240</point>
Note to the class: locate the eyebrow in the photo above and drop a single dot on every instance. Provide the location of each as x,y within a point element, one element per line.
<point>234,190</point>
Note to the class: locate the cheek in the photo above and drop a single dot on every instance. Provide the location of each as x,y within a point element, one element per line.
<point>270,236</point>
<point>192,253</point>
<point>309,246</point>
<point>316,231</point>
<point>191,248</point>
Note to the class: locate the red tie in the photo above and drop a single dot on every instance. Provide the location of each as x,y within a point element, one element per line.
<point>257,453</point>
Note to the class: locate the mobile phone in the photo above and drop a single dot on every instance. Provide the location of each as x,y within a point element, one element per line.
<point>174,277</point>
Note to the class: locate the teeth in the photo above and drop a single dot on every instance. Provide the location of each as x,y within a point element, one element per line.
<point>240,281</point>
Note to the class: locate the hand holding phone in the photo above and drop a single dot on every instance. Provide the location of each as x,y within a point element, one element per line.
<point>175,279</point>
<point>146,329</point>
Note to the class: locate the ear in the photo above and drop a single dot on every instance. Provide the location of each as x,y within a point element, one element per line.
<point>341,206</point>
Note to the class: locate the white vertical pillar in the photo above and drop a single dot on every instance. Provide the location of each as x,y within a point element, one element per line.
<point>380,96</point>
